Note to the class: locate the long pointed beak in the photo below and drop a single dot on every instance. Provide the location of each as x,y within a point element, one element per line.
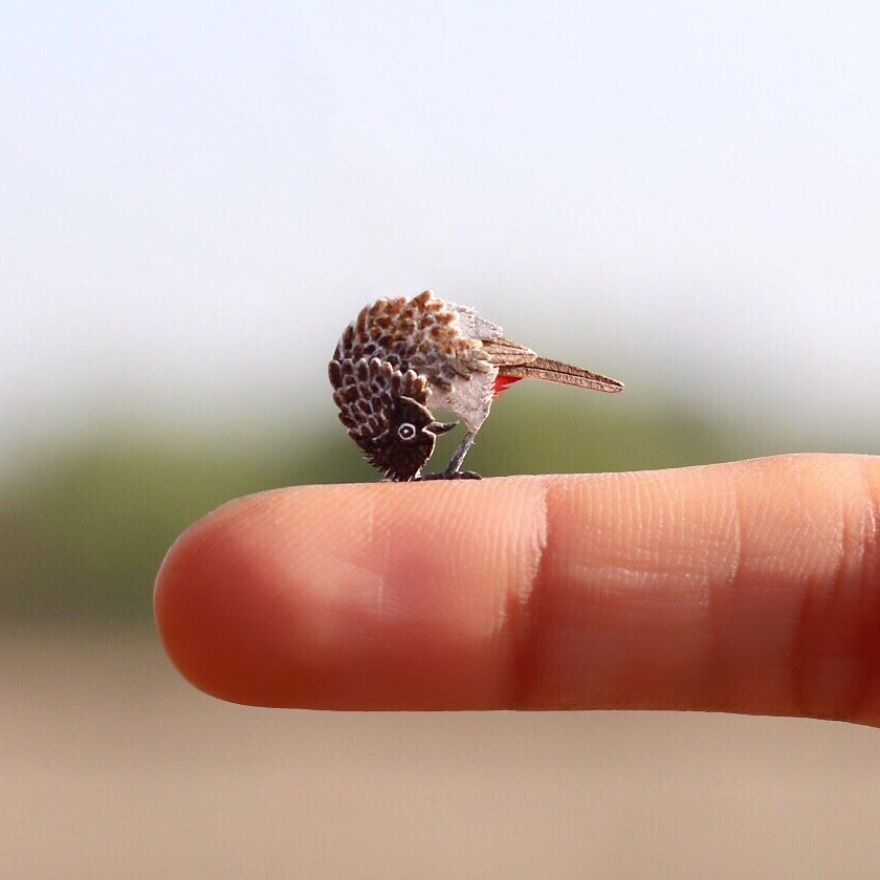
<point>438,428</point>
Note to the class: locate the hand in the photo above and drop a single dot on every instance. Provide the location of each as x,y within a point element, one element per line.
<point>746,587</point>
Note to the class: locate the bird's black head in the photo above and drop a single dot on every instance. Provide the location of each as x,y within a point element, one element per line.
<point>404,448</point>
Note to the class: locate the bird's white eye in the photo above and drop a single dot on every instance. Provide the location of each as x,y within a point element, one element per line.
<point>406,431</point>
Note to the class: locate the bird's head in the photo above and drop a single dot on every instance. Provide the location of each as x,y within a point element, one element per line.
<point>404,447</point>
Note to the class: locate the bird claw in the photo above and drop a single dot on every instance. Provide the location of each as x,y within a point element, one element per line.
<point>451,475</point>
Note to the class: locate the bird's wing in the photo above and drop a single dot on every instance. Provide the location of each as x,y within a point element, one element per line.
<point>502,352</point>
<point>473,325</point>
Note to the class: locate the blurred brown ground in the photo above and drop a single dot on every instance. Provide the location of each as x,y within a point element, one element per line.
<point>112,766</point>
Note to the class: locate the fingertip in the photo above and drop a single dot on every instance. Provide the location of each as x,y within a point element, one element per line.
<point>203,621</point>
<point>359,596</point>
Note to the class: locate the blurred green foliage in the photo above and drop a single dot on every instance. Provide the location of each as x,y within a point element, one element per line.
<point>83,531</point>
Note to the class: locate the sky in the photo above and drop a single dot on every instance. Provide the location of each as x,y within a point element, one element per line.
<point>195,198</point>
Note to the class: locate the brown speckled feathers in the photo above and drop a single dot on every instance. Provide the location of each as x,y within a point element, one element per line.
<point>421,334</point>
<point>366,391</point>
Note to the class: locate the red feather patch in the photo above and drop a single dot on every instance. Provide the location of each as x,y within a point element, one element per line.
<point>502,383</point>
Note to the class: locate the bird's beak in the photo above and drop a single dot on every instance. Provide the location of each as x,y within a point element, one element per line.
<point>438,428</point>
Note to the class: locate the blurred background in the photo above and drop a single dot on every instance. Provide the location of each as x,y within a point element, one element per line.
<point>196,198</point>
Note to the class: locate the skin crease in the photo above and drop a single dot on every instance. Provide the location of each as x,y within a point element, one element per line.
<point>747,587</point>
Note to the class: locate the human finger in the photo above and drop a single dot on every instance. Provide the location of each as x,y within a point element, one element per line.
<point>750,587</point>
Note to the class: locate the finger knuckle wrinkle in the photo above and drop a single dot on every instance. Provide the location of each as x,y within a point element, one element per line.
<point>840,668</point>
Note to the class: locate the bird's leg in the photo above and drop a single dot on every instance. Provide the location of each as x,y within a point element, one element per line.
<point>455,464</point>
<point>453,470</point>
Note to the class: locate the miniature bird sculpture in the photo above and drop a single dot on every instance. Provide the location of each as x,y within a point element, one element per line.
<point>400,360</point>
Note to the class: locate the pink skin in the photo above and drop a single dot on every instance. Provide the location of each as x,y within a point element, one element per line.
<point>746,587</point>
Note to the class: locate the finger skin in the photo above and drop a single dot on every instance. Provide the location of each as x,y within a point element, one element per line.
<point>746,587</point>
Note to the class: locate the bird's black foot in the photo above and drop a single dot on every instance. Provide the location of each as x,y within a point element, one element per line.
<point>451,475</point>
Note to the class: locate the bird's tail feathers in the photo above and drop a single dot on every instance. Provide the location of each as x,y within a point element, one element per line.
<point>565,374</point>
